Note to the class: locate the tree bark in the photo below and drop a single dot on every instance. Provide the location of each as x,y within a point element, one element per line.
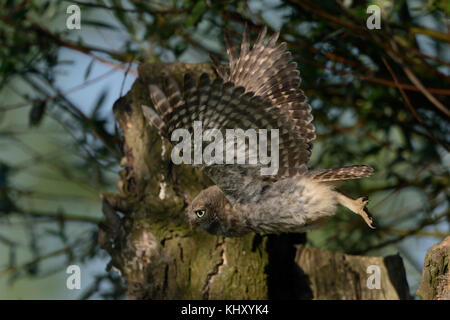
<point>435,283</point>
<point>161,258</point>
<point>332,276</point>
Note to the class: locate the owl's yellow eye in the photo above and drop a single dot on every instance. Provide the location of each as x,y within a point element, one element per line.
<point>200,213</point>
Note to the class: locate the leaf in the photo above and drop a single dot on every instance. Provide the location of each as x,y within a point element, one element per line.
<point>101,98</point>
<point>99,24</point>
<point>197,13</point>
<point>88,69</point>
<point>37,113</point>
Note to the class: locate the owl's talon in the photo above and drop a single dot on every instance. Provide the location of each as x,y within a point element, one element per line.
<point>363,212</point>
<point>367,218</point>
<point>358,206</point>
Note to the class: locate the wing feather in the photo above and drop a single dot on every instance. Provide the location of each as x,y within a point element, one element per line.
<point>267,71</point>
<point>222,105</point>
<point>260,90</point>
<point>344,173</point>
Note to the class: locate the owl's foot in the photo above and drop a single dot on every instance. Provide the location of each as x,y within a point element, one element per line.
<point>363,212</point>
<point>358,206</point>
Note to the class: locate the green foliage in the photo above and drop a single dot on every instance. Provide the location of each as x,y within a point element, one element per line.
<point>380,97</point>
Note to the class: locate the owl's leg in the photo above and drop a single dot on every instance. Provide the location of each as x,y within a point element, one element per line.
<point>358,206</point>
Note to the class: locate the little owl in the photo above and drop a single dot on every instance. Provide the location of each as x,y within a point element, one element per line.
<point>258,89</point>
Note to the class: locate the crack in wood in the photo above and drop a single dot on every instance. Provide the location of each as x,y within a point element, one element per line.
<point>216,270</point>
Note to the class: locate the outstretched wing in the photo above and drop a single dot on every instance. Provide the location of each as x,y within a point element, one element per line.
<point>221,105</point>
<point>267,71</point>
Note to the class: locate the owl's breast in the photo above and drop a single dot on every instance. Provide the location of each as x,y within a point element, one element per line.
<point>288,205</point>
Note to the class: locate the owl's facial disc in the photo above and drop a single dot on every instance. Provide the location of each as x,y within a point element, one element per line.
<point>195,217</point>
<point>213,212</point>
<point>204,209</point>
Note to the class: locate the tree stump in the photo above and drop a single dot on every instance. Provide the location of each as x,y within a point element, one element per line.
<point>332,276</point>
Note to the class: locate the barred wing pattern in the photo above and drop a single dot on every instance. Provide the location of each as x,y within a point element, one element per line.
<point>258,90</point>
<point>343,173</point>
<point>267,71</point>
<point>222,105</point>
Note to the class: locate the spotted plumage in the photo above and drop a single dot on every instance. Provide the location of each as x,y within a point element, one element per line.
<point>258,90</point>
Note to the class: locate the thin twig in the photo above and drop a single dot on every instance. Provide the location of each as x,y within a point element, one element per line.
<point>411,108</point>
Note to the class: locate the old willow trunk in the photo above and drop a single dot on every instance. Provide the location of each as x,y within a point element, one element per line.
<point>150,244</point>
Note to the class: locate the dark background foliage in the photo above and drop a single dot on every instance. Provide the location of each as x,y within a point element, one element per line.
<point>379,97</point>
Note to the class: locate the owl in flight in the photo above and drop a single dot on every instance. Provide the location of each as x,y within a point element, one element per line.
<point>258,89</point>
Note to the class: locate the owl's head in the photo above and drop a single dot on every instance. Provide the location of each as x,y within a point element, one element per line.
<point>207,210</point>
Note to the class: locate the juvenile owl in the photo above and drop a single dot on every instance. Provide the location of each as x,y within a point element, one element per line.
<point>258,89</point>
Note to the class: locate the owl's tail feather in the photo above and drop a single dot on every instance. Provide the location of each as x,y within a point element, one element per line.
<point>344,173</point>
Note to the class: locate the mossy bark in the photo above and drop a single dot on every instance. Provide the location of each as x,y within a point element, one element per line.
<point>146,235</point>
